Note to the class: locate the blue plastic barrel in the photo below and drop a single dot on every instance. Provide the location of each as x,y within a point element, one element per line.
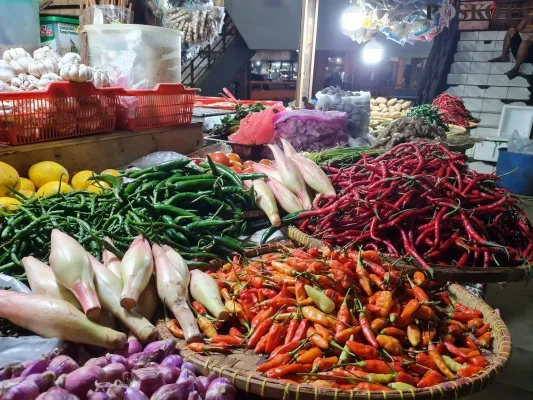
<point>521,180</point>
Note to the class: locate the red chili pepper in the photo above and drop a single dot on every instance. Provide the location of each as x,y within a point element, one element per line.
<point>375,366</point>
<point>261,345</point>
<point>235,332</point>
<point>281,371</point>
<point>261,316</point>
<point>408,310</point>
<point>469,343</point>
<point>406,378</point>
<point>444,298</point>
<point>469,371</point>
<point>430,378</point>
<point>285,348</point>
<point>454,350</point>
<point>463,308</point>
<point>320,364</point>
<point>301,332</point>
<point>200,309</point>
<point>479,361</point>
<point>438,360</point>
<point>362,350</point>
<point>419,293</point>
<point>481,331</point>
<point>291,330</point>
<point>424,360</point>
<point>393,331</point>
<point>277,361</point>
<point>343,336</point>
<point>261,330</point>
<point>367,330</point>
<point>485,340</point>
<point>475,323</point>
<point>324,332</point>
<point>274,337</point>
<point>228,339</point>
<point>344,317</point>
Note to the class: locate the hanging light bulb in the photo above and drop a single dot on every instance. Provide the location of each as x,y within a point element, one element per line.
<point>372,52</point>
<point>352,18</point>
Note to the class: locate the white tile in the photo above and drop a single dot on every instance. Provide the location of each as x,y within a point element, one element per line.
<point>480,68</point>
<point>527,69</point>
<point>485,46</point>
<point>464,56</point>
<point>477,79</point>
<point>501,35</point>
<point>487,131</point>
<point>499,45</point>
<point>467,46</point>
<point>487,150</point>
<point>518,103</point>
<point>490,105</point>
<point>456,90</point>
<point>474,91</point>
<point>499,53</point>
<point>503,80</point>
<point>483,56</point>
<point>518,93</point>
<point>473,104</point>
<point>500,68</point>
<point>460,68</point>
<point>476,114</point>
<point>457,79</point>
<point>496,92</point>
<point>489,120</point>
<point>488,35</point>
<point>469,35</point>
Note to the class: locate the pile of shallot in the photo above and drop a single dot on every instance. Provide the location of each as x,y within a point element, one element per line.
<point>155,373</point>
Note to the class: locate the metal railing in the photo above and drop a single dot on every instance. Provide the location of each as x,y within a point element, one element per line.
<point>196,67</point>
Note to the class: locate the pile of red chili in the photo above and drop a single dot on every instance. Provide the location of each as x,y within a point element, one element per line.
<point>421,200</point>
<point>454,110</point>
<point>347,320</point>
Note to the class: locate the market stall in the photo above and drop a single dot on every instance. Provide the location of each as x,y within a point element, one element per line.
<point>333,252</point>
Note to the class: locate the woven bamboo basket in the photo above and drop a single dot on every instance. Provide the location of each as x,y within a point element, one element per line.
<point>441,273</point>
<point>239,367</point>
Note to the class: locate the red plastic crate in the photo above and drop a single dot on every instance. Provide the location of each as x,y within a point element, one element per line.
<point>211,102</point>
<point>168,104</point>
<point>63,110</point>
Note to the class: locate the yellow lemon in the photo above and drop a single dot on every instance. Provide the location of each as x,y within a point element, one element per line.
<point>80,181</point>
<point>53,188</point>
<point>26,193</point>
<point>47,171</point>
<point>9,204</point>
<point>25,184</point>
<point>98,187</point>
<point>113,172</point>
<point>9,177</point>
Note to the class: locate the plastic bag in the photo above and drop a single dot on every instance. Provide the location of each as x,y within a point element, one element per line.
<point>311,130</point>
<point>156,158</point>
<point>520,145</point>
<point>257,128</point>
<point>107,14</point>
<point>14,350</point>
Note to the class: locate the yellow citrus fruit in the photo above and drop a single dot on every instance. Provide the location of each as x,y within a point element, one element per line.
<point>53,188</point>
<point>80,181</point>
<point>98,187</point>
<point>9,177</point>
<point>25,184</point>
<point>113,172</point>
<point>9,204</point>
<point>47,171</point>
<point>26,193</point>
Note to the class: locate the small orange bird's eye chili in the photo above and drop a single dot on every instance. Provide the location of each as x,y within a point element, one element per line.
<point>279,360</point>
<point>309,356</point>
<point>469,371</point>
<point>173,327</point>
<point>362,350</point>
<point>281,371</point>
<point>413,335</point>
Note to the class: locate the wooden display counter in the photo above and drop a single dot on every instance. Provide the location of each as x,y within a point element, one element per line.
<point>107,150</point>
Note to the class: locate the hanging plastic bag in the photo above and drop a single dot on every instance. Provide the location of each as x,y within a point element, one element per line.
<point>257,128</point>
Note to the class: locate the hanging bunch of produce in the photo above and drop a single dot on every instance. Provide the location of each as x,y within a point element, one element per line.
<point>453,110</point>
<point>421,200</point>
<point>346,320</point>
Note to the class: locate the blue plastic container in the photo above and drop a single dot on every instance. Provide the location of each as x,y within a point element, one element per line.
<point>521,180</point>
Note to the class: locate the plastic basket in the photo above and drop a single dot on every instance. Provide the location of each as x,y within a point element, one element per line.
<point>168,104</point>
<point>63,110</point>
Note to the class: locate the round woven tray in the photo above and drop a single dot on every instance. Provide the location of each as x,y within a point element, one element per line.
<point>239,367</point>
<point>441,273</point>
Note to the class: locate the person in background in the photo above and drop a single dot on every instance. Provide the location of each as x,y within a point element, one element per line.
<point>519,41</point>
<point>306,104</point>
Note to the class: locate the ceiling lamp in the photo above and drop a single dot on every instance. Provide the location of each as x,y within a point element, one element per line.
<point>372,52</point>
<point>352,18</point>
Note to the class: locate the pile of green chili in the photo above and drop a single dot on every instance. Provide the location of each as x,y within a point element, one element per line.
<point>196,210</point>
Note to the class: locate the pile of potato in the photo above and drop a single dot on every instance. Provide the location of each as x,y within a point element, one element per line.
<point>393,108</point>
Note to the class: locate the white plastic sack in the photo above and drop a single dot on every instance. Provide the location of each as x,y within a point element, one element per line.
<point>15,350</point>
<point>156,158</point>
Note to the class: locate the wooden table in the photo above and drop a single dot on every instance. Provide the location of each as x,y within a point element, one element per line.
<point>107,150</point>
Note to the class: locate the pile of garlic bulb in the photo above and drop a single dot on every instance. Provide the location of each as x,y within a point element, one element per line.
<point>19,71</point>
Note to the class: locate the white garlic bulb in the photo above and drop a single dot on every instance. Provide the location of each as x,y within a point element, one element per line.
<point>46,79</point>
<point>76,73</point>
<point>69,58</point>
<point>46,53</point>
<point>46,66</point>
<point>100,78</point>
<point>15,54</point>
<point>7,72</point>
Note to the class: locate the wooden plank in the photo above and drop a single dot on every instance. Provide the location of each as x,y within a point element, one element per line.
<point>64,12</point>
<point>306,61</point>
<point>99,152</point>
